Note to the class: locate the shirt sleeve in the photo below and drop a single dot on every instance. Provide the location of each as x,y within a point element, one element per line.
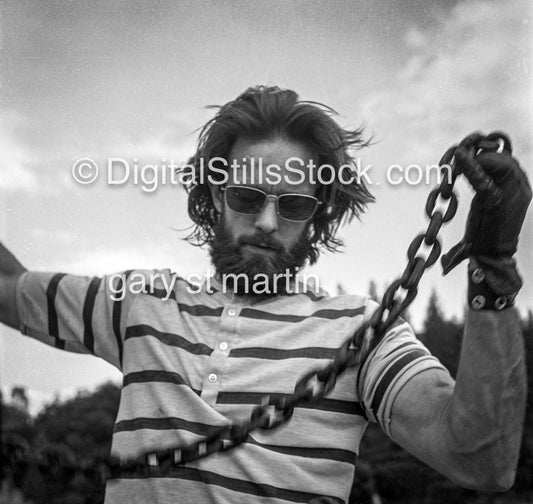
<point>397,358</point>
<point>76,313</point>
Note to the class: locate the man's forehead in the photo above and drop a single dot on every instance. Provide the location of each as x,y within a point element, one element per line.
<point>277,164</point>
<point>270,147</point>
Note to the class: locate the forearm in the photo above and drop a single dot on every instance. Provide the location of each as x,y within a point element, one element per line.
<point>10,270</point>
<point>484,418</point>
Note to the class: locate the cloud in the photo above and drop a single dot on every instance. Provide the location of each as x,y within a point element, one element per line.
<point>159,147</point>
<point>28,166</point>
<point>470,71</point>
<point>15,159</point>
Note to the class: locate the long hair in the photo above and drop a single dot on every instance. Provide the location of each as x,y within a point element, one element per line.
<point>265,112</point>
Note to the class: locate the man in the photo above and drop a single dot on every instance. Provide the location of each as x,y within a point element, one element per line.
<point>206,357</point>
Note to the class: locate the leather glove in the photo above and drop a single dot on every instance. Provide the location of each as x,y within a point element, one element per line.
<point>497,212</point>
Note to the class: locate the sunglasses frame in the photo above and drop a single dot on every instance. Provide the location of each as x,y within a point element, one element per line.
<point>273,197</point>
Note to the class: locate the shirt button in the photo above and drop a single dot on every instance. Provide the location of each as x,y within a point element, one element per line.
<point>223,346</point>
<point>212,377</point>
<point>232,313</point>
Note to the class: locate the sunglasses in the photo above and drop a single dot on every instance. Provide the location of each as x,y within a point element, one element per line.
<point>290,206</point>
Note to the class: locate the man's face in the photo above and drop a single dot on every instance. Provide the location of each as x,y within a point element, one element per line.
<point>262,242</point>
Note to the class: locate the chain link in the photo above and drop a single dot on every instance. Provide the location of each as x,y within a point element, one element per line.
<point>275,410</point>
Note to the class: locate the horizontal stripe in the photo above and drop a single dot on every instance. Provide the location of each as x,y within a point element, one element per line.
<point>334,454</point>
<point>278,354</point>
<point>166,423</point>
<point>155,376</point>
<point>170,339</point>
<point>200,310</point>
<point>238,485</point>
<point>333,405</point>
<point>391,373</point>
<point>328,314</point>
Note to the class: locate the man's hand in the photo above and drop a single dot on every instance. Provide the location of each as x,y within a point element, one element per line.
<point>498,209</point>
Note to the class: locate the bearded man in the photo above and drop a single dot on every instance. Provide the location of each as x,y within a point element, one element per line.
<point>201,359</point>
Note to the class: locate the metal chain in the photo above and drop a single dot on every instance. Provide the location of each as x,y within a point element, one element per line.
<point>275,410</point>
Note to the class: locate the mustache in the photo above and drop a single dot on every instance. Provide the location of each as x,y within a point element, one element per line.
<point>260,240</point>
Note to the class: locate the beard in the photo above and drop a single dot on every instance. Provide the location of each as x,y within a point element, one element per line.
<point>260,275</point>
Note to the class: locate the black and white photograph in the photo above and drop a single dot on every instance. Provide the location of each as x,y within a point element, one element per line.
<point>266,252</point>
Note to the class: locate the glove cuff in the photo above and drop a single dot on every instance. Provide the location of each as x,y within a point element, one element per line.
<point>492,283</point>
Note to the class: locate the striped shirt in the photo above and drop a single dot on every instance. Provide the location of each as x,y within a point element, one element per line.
<point>205,358</point>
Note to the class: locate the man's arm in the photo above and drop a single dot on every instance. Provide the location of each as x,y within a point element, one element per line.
<point>10,271</point>
<point>471,430</point>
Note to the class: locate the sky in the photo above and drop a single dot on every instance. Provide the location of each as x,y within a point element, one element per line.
<point>132,79</point>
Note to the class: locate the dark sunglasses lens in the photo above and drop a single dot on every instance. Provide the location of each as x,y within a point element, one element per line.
<point>245,200</point>
<point>296,207</point>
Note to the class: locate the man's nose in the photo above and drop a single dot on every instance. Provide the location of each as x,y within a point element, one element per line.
<point>267,219</point>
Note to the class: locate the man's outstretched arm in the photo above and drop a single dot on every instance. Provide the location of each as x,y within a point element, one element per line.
<point>10,271</point>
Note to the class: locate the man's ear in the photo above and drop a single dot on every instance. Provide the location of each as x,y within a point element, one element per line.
<point>217,196</point>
